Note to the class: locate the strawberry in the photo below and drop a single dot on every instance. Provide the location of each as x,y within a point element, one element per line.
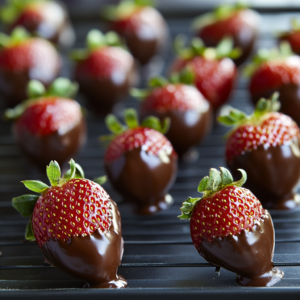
<point>104,71</point>
<point>142,26</point>
<point>49,124</point>
<point>189,112</point>
<point>235,21</point>
<point>140,162</point>
<point>276,70</point>
<point>23,58</point>
<point>292,36</point>
<point>266,145</point>
<point>76,225</point>
<point>214,71</point>
<point>231,230</point>
<point>46,19</point>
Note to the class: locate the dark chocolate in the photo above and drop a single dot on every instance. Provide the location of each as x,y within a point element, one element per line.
<point>149,38</point>
<point>187,127</point>
<point>13,85</point>
<point>143,179</point>
<point>103,93</point>
<point>59,146</point>
<point>273,174</point>
<point>94,258</point>
<point>244,39</point>
<point>248,254</point>
<point>289,97</point>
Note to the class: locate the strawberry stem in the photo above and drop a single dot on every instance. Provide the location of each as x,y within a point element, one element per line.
<point>215,182</point>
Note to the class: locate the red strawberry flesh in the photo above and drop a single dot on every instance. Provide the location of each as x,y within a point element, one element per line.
<point>78,207</point>
<point>150,140</point>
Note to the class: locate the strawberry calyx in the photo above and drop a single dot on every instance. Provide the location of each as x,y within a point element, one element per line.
<point>14,8</point>
<point>124,9</point>
<point>237,118</point>
<point>18,36</point>
<point>96,40</point>
<point>295,27</point>
<point>209,185</point>
<point>25,204</point>
<point>197,48</point>
<point>131,121</point>
<point>265,55</point>
<point>186,76</point>
<point>220,13</point>
<point>36,91</point>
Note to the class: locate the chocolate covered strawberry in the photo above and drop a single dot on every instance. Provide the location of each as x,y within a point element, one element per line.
<point>44,18</point>
<point>231,230</point>
<point>266,145</point>
<point>214,72</point>
<point>189,112</point>
<point>76,225</point>
<point>105,71</point>
<point>50,125</point>
<point>276,70</point>
<point>23,58</point>
<point>235,21</point>
<point>292,36</point>
<point>140,162</point>
<point>142,26</point>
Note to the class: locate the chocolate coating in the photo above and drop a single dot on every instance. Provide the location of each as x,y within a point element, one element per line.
<point>187,127</point>
<point>289,97</point>
<point>143,179</point>
<point>248,254</point>
<point>273,174</point>
<point>244,38</point>
<point>94,258</point>
<point>51,22</point>
<point>59,146</point>
<point>148,36</point>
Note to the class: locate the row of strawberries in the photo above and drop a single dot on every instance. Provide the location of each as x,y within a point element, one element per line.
<point>141,162</point>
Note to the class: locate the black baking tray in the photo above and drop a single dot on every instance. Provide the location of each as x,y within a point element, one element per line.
<point>159,260</point>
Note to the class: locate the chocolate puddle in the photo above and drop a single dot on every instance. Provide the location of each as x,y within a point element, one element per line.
<point>248,254</point>
<point>94,258</point>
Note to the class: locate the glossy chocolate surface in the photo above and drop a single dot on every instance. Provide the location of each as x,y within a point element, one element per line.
<point>51,23</point>
<point>273,174</point>
<point>148,38</point>
<point>59,146</point>
<point>248,254</point>
<point>143,179</point>
<point>13,85</point>
<point>289,97</point>
<point>103,93</point>
<point>244,39</point>
<point>187,127</point>
<point>94,258</point>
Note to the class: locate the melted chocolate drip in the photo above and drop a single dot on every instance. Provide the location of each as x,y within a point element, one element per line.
<point>273,174</point>
<point>289,97</point>
<point>94,258</point>
<point>187,127</point>
<point>143,179</point>
<point>248,254</point>
<point>59,146</point>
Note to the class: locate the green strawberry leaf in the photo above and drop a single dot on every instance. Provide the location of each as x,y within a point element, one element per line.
<point>29,235</point>
<point>203,184</point>
<point>165,125</point>
<point>241,182</point>
<point>63,87</point>
<point>95,39</point>
<point>114,125</point>
<point>25,204</point>
<point>152,122</point>
<point>139,93</point>
<point>100,180</point>
<point>79,172</point>
<point>35,89</point>
<point>131,118</point>
<point>226,176</point>
<point>36,186</point>
<point>158,81</point>
<point>53,173</point>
